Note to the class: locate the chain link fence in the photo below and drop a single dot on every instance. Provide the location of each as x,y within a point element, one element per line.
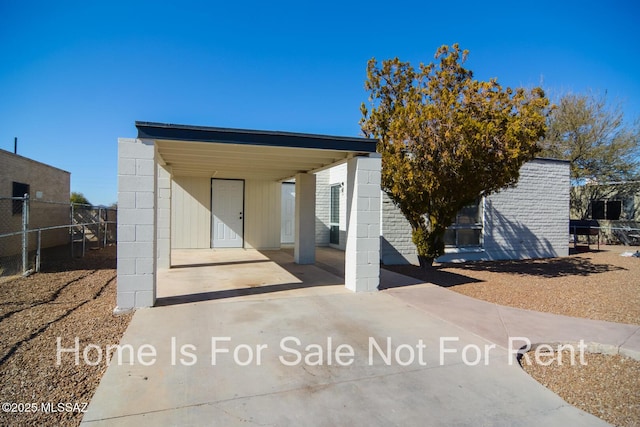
<point>33,231</point>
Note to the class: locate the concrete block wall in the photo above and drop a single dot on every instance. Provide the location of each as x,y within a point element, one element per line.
<point>396,244</point>
<point>530,220</point>
<point>137,219</point>
<point>362,254</point>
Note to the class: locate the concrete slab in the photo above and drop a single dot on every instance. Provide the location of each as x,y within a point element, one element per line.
<point>224,274</point>
<point>299,379</point>
<point>499,324</point>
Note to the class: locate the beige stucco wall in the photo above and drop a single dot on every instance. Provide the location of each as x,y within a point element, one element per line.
<point>54,186</point>
<point>191,213</point>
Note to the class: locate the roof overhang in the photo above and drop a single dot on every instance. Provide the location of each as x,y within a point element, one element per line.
<point>248,154</point>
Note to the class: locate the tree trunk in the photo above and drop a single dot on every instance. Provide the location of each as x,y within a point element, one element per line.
<point>426,263</point>
<point>429,244</point>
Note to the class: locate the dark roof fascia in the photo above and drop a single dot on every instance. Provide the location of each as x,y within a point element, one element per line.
<point>172,132</point>
<point>551,159</point>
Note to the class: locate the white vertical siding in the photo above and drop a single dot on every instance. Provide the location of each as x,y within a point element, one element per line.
<point>262,214</point>
<point>191,212</point>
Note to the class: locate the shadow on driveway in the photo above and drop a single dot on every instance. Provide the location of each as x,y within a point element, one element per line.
<point>547,268</point>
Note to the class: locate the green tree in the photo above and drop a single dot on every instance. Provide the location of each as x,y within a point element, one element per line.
<point>601,149</point>
<point>78,198</point>
<point>446,138</point>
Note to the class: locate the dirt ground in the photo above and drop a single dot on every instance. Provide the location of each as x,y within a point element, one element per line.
<point>596,285</point>
<point>70,299</point>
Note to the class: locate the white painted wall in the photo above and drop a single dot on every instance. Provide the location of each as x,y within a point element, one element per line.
<point>530,220</point>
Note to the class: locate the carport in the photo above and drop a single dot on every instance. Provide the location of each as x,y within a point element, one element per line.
<point>193,187</point>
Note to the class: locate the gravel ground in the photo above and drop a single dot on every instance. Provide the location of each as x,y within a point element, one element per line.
<point>595,285</point>
<point>605,386</point>
<point>74,299</point>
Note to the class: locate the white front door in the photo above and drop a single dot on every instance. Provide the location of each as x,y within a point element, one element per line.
<point>287,226</point>
<point>227,213</point>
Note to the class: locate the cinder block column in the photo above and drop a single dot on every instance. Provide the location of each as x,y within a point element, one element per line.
<point>304,251</point>
<point>163,196</point>
<point>362,255</point>
<point>137,219</point>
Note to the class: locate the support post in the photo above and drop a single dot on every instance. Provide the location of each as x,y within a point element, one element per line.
<point>362,255</point>
<point>137,219</point>
<point>304,251</point>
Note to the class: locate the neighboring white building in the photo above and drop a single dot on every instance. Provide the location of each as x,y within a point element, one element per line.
<point>529,220</point>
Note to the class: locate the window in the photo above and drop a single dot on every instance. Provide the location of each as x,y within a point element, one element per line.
<point>597,209</point>
<point>614,209</point>
<point>19,190</point>
<point>606,209</point>
<point>466,231</point>
<point>334,221</point>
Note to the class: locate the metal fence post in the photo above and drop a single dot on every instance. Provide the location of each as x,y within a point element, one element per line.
<point>71,228</point>
<point>38,251</point>
<point>25,233</point>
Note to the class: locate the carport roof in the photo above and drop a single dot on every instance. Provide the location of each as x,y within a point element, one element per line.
<point>253,137</point>
<point>251,154</point>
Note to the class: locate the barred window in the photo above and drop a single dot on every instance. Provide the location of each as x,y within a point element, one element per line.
<point>606,209</point>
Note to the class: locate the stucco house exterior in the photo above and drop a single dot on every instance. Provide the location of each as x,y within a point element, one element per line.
<point>194,187</point>
<point>44,184</point>
<point>615,207</point>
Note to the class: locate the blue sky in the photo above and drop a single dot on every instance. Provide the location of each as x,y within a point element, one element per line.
<point>75,76</point>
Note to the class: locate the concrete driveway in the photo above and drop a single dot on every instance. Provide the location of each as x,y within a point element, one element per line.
<point>243,337</point>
